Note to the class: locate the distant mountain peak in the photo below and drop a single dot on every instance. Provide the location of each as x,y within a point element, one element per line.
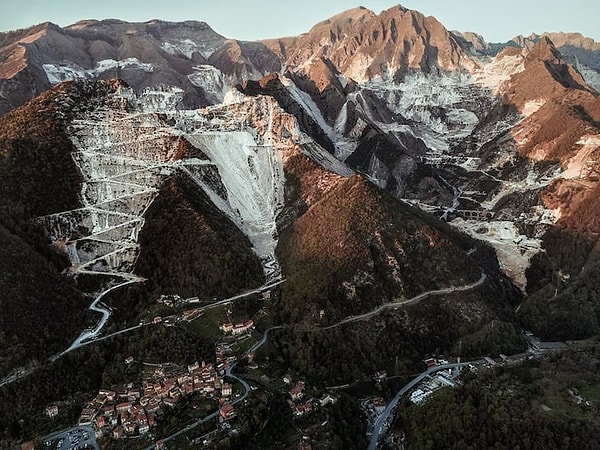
<point>545,50</point>
<point>343,21</point>
<point>362,44</point>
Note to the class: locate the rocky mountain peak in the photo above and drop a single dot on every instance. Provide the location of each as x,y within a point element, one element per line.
<point>472,42</point>
<point>546,76</point>
<point>345,18</point>
<point>576,49</point>
<point>560,39</point>
<point>544,50</point>
<point>363,45</point>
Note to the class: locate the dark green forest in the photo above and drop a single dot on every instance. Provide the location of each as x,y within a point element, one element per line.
<point>190,248</point>
<point>349,237</point>
<point>530,406</point>
<point>564,287</point>
<point>42,310</point>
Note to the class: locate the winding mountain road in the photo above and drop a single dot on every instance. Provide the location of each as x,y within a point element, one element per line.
<point>90,334</point>
<point>262,341</point>
<point>229,374</point>
<point>409,301</point>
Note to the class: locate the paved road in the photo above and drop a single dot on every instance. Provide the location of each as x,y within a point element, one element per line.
<point>381,424</point>
<point>262,340</point>
<point>90,334</point>
<point>229,374</point>
<point>410,301</point>
<point>19,373</point>
<point>187,428</point>
<point>126,330</point>
<point>245,294</point>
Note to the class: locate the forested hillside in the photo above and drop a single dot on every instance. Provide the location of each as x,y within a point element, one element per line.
<point>190,248</point>
<point>550,403</point>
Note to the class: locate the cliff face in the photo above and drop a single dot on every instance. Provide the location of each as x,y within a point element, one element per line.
<point>189,55</point>
<point>362,45</point>
<point>312,162</point>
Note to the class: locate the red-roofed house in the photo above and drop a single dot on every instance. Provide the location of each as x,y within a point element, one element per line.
<point>118,432</point>
<point>126,406</point>
<point>297,391</point>
<point>100,422</point>
<point>227,411</point>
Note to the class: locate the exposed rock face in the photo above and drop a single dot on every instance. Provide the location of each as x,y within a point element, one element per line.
<point>272,85</point>
<point>362,45</point>
<point>189,55</point>
<point>501,140</point>
<point>546,75</point>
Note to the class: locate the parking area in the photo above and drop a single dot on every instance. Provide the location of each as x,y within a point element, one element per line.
<point>77,438</point>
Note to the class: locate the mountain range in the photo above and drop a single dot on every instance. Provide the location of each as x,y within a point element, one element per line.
<point>372,159</point>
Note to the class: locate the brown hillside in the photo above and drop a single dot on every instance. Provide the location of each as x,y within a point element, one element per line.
<point>357,247</point>
<point>361,44</point>
<point>546,76</point>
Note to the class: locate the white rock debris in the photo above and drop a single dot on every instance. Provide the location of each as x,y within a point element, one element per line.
<point>514,250</point>
<point>499,70</point>
<point>211,80</point>
<point>58,73</point>
<point>187,48</point>
<point>418,96</point>
<point>253,177</point>
<point>124,156</point>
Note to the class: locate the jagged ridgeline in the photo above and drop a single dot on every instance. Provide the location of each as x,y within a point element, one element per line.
<point>414,190</point>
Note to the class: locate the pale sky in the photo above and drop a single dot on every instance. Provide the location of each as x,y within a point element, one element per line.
<point>496,20</point>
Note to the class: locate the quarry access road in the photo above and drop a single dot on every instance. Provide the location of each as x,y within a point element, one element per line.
<point>409,301</point>
<point>90,334</point>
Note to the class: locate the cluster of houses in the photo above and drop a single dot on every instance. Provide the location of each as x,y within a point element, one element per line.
<point>297,404</point>
<point>223,355</point>
<point>300,405</point>
<point>134,411</point>
<point>237,328</point>
<point>175,301</point>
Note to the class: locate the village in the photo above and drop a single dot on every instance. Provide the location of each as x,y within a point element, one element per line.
<point>133,411</point>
